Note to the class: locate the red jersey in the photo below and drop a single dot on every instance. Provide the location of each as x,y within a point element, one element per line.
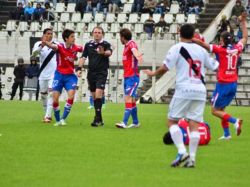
<point>203,128</point>
<point>130,63</point>
<point>66,58</point>
<point>199,37</point>
<point>227,58</point>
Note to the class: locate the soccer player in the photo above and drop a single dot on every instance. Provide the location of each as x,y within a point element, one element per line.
<point>203,128</point>
<point>46,72</point>
<point>227,54</point>
<point>189,98</point>
<point>98,52</point>
<point>131,58</point>
<point>64,75</point>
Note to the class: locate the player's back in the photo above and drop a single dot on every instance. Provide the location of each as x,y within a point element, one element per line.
<point>228,58</point>
<point>190,61</point>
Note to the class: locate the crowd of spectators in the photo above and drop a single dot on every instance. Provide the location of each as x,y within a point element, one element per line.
<point>25,11</point>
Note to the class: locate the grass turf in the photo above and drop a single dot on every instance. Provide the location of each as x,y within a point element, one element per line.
<point>35,154</point>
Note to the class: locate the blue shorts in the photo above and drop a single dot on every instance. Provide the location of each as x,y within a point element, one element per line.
<point>131,85</point>
<point>67,81</point>
<point>223,94</point>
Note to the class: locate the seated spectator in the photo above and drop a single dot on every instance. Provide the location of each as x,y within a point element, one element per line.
<point>149,6</point>
<point>48,13</point>
<point>38,12</point>
<point>137,6</point>
<point>89,6</point>
<point>194,9</point>
<point>237,9</point>
<point>24,2</point>
<point>114,6</point>
<point>81,6</point>
<point>18,14</point>
<point>149,26</point>
<point>162,6</point>
<point>104,5</point>
<point>28,12</point>
<point>161,26</point>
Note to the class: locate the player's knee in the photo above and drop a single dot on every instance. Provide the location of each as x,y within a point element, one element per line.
<point>43,95</point>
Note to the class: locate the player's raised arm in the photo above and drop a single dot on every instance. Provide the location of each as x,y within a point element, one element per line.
<point>243,19</point>
<point>201,43</point>
<point>160,71</point>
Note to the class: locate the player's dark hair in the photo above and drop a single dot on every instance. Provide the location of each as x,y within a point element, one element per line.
<point>99,28</point>
<point>187,31</point>
<point>167,138</point>
<point>227,38</point>
<point>46,30</point>
<point>126,33</point>
<point>66,33</point>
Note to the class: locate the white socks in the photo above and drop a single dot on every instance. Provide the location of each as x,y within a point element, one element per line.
<point>49,108</point>
<point>44,101</point>
<point>193,144</point>
<point>177,138</point>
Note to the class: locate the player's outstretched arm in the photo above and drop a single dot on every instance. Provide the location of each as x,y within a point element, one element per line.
<point>201,43</point>
<point>49,44</point>
<point>243,19</point>
<point>160,71</point>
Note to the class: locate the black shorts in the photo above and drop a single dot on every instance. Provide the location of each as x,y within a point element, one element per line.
<point>97,80</point>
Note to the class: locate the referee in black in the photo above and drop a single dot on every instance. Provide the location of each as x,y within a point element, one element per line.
<point>98,52</point>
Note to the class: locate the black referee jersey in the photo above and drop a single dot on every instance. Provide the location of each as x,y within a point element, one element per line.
<point>97,62</point>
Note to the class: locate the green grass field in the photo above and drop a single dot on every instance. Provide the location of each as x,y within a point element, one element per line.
<point>34,154</point>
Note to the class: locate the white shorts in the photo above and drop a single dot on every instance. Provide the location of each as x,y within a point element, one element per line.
<point>184,108</point>
<point>45,85</point>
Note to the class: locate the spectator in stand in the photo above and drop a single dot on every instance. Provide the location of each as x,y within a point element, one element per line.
<point>18,14</point>
<point>194,9</point>
<point>149,6</point>
<point>104,5</point>
<point>24,2</point>
<point>237,9</point>
<point>162,6</point>
<point>19,73</point>
<point>89,6</point>
<point>161,26</point>
<point>137,6</point>
<point>149,26</point>
<point>38,12</point>
<point>48,14</point>
<point>114,6</point>
<point>32,74</point>
<point>224,26</point>
<point>28,12</point>
<point>81,6</point>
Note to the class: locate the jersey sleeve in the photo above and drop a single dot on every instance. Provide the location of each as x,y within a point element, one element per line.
<point>79,48</point>
<point>215,48</point>
<point>210,63</point>
<point>85,51</point>
<point>60,47</point>
<point>171,57</point>
<point>109,47</point>
<point>132,46</point>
